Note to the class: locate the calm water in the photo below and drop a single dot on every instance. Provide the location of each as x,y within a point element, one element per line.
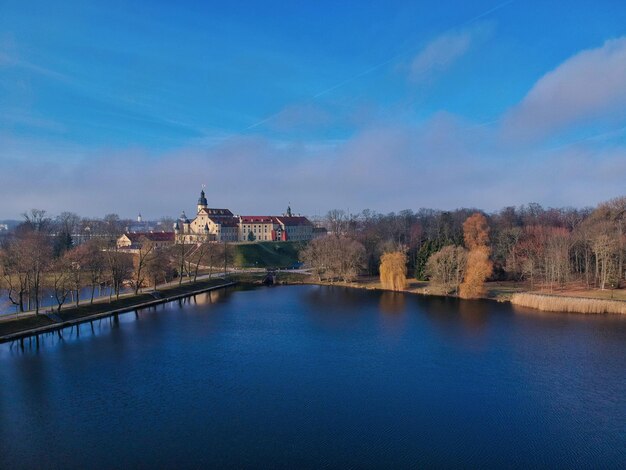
<point>48,300</point>
<point>311,376</point>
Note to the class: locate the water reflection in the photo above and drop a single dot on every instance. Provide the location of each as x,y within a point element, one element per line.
<point>298,361</point>
<point>69,335</point>
<point>392,302</point>
<point>336,297</point>
<point>459,318</point>
<point>113,323</point>
<point>47,298</point>
<point>334,308</point>
<point>474,313</point>
<point>211,297</point>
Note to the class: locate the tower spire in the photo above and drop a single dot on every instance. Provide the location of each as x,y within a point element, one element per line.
<point>202,202</point>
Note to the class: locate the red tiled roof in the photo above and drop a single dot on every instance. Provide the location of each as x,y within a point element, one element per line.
<point>225,221</point>
<point>266,219</point>
<point>294,220</point>
<point>216,212</point>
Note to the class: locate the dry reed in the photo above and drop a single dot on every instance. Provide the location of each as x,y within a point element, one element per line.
<point>554,303</point>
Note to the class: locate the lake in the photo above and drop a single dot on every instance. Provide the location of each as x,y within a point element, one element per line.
<point>47,299</point>
<point>311,376</point>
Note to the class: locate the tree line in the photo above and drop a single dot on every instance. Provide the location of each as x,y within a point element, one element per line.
<point>40,256</point>
<point>69,257</point>
<point>548,247</point>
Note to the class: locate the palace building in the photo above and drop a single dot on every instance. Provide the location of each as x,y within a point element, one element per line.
<point>220,225</point>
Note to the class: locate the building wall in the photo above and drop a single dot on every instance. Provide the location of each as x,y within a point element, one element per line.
<point>262,231</point>
<point>276,229</point>
<point>123,242</point>
<point>298,232</point>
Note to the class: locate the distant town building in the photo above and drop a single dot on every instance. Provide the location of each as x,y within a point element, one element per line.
<point>143,226</point>
<point>218,225</point>
<point>132,240</point>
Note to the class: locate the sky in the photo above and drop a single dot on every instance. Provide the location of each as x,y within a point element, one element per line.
<point>127,107</point>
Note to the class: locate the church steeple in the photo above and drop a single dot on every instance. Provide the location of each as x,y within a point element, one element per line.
<point>202,202</point>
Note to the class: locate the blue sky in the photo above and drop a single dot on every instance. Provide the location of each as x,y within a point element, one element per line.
<point>132,106</point>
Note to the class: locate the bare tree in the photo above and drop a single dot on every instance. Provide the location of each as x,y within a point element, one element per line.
<point>605,249</point>
<point>36,253</point>
<point>158,269</point>
<point>36,221</point>
<point>119,269</point>
<point>145,254</point>
<point>180,252</point>
<point>204,254</point>
<point>77,261</point>
<point>66,225</point>
<point>333,257</point>
<point>14,273</point>
<point>337,222</point>
<point>445,269</point>
<point>59,280</point>
<point>95,264</point>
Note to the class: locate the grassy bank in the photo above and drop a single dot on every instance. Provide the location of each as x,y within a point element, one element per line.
<point>266,254</point>
<point>129,302</point>
<point>557,303</point>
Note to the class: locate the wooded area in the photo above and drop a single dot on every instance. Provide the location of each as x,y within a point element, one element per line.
<point>40,255</point>
<point>547,248</point>
<point>456,251</point>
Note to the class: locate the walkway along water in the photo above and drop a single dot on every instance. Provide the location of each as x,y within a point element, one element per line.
<point>59,325</point>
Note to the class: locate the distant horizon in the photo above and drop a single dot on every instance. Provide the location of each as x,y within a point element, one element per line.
<point>485,104</point>
<point>322,214</point>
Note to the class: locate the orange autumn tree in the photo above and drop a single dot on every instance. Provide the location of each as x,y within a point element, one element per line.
<point>393,270</point>
<point>479,266</point>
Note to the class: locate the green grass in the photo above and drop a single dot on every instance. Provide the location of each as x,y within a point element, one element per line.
<point>267,254</point>
<point>281,278</point>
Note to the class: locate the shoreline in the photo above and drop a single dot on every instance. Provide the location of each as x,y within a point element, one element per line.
<point>141,302</point>
<point>540,301</point>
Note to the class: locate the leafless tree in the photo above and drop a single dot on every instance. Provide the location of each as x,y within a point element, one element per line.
<point>334,257</point>
<point>59,280</point>
<point>203,254</point>
<point>95,264</point>
<point>119,267</point>
<point>36,253</point>
<point>14,272</point>
<point>445,269</point>
<point>144,255</point>
<point>158,268</point>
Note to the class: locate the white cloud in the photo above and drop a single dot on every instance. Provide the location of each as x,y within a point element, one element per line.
<point>444,162</point>
<point>385,168</point>
<point>588,86</point>
<point>441,53</point>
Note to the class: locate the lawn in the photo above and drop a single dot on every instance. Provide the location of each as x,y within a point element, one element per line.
<point>267,254</point>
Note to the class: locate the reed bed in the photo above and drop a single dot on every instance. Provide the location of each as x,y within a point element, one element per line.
<point>555,303</point>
